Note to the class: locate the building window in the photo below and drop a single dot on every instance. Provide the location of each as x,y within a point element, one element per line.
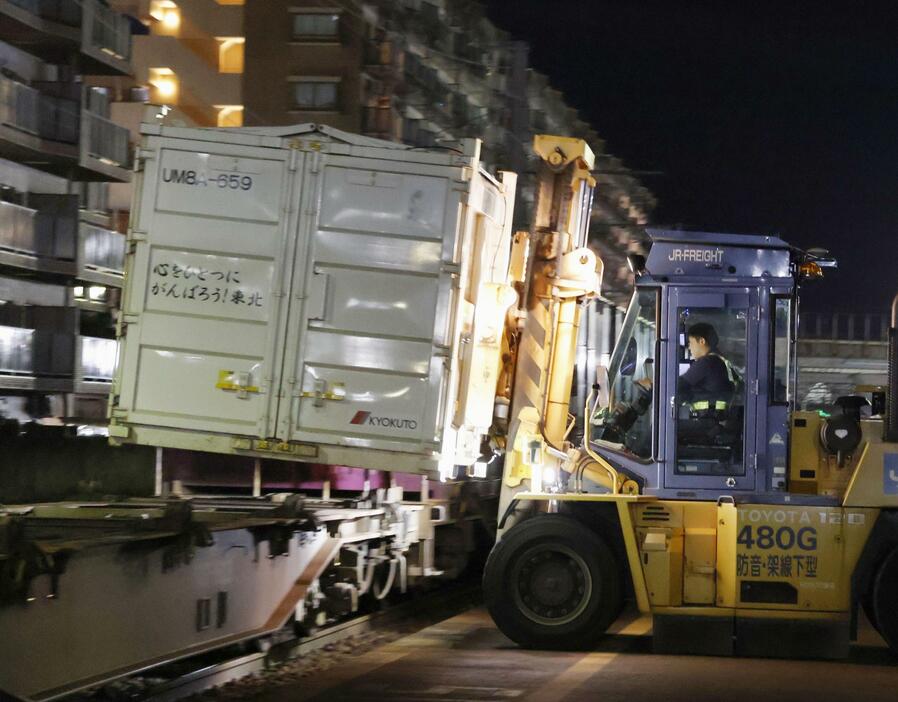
<point>168,16</point>
<point>165,86</point>
<point>315,93</point>
<point>316,26</point>
<point>230,115</point>
<point>230,54</point>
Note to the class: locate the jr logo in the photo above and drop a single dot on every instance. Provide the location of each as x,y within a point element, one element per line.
<point>890,474</point>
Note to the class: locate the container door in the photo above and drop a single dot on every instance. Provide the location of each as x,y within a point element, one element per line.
<point>711,445</point>
<point>204,289</point>
<point>370,344</point>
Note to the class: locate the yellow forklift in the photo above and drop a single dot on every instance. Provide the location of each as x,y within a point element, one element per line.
<point>693,484</point>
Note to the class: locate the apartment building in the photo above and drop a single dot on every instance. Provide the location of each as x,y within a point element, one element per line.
<point>426,72</point>
<point>423,72</point>
<point>407,71</point>
<point>186,55</point>
<point>60,260</point>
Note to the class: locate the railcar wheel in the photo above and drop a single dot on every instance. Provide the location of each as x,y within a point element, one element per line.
<point>552,583</point>
<point>885,593</point>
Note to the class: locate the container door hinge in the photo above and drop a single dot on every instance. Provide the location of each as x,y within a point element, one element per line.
<point>756,386</point>
<point>118,431</point>
<point>136,235</point>
<point>141,156</point>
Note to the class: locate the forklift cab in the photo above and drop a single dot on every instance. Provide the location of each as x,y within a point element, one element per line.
<point>673,441</point>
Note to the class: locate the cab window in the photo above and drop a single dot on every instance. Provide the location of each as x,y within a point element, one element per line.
<point>710,392</point>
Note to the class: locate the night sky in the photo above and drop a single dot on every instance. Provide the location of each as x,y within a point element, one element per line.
<point>775,118</point>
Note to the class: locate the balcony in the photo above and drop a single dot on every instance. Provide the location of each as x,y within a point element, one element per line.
<point>38,353</point>
<point>54,30</point>
<point>41,350</point>
<point>39,237</point>
<point>42,360</point>
<point>48,129</point>
<point>47,237</point>
<point>382,121</point>
<point>101,255</point>
<point>94,364</point>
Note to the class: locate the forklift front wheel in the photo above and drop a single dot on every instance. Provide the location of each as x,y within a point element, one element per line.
<point>552,583</point>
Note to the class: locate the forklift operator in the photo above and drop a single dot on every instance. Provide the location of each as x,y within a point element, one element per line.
<point>708,385</point>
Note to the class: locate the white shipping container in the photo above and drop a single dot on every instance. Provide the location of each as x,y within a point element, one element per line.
<point>308,294</point>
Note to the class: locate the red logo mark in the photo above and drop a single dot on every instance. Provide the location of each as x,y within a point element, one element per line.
<point>360,417</point>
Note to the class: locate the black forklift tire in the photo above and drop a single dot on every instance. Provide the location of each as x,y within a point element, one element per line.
<point>885,594</point>
<point>866,601</point>
<point>552,583</point>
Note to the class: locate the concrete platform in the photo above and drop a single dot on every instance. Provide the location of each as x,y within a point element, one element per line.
<point>466,659</point>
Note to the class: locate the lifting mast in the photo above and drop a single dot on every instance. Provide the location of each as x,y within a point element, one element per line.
<point>555,273</point>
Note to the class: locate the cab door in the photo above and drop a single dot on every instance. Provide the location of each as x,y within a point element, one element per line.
<point>710,446</point>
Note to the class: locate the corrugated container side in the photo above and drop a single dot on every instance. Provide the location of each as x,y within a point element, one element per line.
<point>335,300</point>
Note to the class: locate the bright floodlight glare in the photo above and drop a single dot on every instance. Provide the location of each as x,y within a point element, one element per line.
<point>166,87</point>
<point>171,19</point>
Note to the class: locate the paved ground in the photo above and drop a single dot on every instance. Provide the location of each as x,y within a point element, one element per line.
<point>466,659</point>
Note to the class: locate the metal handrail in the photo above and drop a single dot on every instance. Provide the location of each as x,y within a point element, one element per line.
<point>16,350</point>
<point>844,326</point>
<point>17,228</point>
<point>97,358</point>
<point>107,140</point>
<point>102,249</point>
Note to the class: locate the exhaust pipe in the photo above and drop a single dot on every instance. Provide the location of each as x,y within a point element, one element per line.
<point>890,430</point>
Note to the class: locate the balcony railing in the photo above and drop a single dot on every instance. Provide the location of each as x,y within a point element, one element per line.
<point>49,112</point>
<point>66,12</point>
<point>102,250</point>
<point>16,350</point>
<point>105,139</point>
<point>19,348</point>
<point>58,119</point>
<point>46,230</point>
<point>102,30</point>
<point>19,106</point>
<point>17,228</point>
<point>851,326</point>
<point>106,29</point>
<point>97,361</point>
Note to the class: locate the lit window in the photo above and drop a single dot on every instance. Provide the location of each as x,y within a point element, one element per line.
<point>230,54</point>
<point>165,86</point>
<point>315,94</point>
<point>167,14</point>
<point>230,115</point>
<point>316,25</point>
